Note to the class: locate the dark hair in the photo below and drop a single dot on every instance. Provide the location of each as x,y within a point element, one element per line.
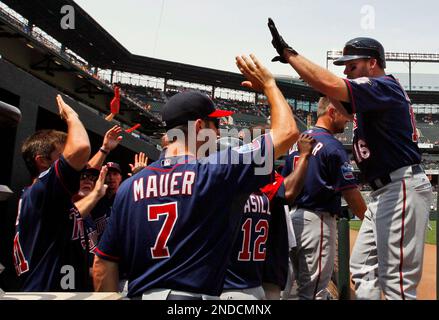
<point>43,143</point>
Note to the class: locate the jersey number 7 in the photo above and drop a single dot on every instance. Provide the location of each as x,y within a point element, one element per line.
<point>170,211</point>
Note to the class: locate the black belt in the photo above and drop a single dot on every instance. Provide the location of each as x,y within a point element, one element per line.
<point>385,180</point>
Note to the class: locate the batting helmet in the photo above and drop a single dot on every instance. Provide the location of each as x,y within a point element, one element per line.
<point>360,48</point>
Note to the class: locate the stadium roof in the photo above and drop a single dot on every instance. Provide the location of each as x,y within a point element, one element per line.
<point>101,49</point>
<point>90,41</point>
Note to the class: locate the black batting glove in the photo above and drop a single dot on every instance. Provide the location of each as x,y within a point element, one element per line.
<point>278,43</point>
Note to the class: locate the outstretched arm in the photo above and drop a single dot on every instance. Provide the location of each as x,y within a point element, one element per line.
<point>317,77</point>
<point>284,130</point>
<point>77,148</point>
<point>295,180</point>
<point>111,141</point>
<point>355,202</point>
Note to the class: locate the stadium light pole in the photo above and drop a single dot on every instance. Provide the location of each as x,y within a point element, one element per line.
<point>410,72</point>
<point>327,59</point>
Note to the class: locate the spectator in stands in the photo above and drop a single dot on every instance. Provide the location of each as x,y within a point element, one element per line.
<point>114,179</point>
<point>49,232</point>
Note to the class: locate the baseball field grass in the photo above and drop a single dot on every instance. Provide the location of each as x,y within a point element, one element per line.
<point>431,231</point>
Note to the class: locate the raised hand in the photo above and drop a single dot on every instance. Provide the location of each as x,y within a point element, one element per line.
<point>305,144</point>
<point>278,43</point>
<point>100,186</point>
<point>65,111</point>
<point>257,75</point>
<point>112,138</point>
<point>140,162</point>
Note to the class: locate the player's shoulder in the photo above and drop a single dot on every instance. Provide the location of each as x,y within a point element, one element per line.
<point>324,137</point>
<point>335,145</point>
<point>41,185</point>
<point>126,185</point>
<point>387,80</point>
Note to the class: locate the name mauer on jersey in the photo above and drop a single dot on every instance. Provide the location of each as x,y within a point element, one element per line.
<point>163,185</point>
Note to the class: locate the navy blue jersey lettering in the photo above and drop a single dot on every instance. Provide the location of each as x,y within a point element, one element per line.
<point>329,172</point>
<point>96,222</point>
<point>50,232</point>
<point>173,224</point>
<point>250,249</point>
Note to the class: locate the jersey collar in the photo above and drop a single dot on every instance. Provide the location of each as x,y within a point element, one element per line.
<point>321,128</point>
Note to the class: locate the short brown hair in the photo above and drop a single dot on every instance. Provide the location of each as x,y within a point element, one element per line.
<point>43,143</point>
<point>322,108</point>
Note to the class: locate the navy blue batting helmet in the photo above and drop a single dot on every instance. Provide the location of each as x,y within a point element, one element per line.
<point>360,48</point>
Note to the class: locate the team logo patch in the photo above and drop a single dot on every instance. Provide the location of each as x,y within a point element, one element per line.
<point>166,162</point>
<point>347,171</point>
<point>249,147</point>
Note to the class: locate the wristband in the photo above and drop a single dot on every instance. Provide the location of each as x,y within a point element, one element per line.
<point>103,151</point>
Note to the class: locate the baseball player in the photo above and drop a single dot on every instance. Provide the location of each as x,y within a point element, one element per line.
<point>388,253</point>
<point>173,224</point>
<point>49,229</point>
<point>330,176</point>
<point>92,200</point>
<point>245,273</point>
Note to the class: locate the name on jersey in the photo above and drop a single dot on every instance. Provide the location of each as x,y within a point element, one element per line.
<point>257,204</point>
<point>167,184</point>
<point>78,231</point>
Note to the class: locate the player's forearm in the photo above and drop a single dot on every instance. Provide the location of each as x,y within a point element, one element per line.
<point>295,180</point>
<point>86,204</point>
<point>105,275</point>
<point>77,148</point>
<point>319,78</point>
<point>98,160</point>
<point>283,126</point>
<point>355,202</point>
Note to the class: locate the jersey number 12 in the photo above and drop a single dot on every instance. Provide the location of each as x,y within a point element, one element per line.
<point>261,227</point>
